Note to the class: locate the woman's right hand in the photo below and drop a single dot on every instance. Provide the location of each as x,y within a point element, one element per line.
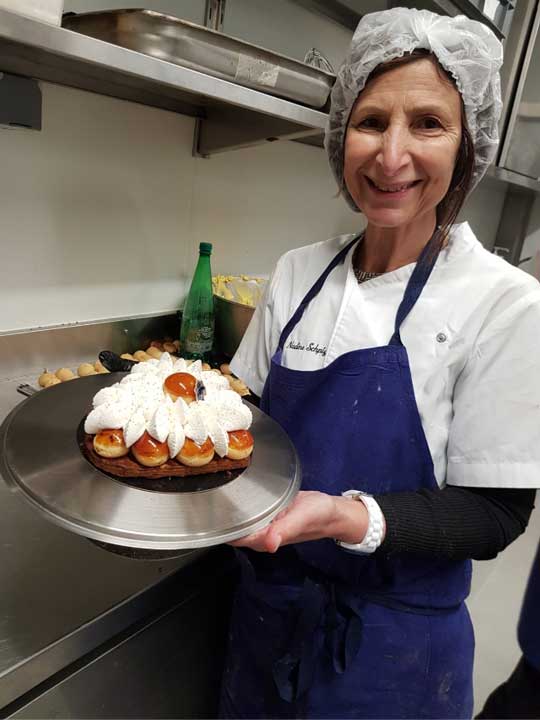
<point>311,516</point>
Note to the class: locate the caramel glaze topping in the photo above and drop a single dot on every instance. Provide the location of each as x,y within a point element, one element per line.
<point>240,439</point>
<point>191,449</point>
<point>149,446</point>
<point>181,384</point>
<point>113,438</point>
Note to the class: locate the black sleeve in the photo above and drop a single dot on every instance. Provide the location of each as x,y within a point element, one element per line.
<point>455,522</point>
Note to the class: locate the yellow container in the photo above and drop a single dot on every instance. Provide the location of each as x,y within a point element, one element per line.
<point>235,299</point>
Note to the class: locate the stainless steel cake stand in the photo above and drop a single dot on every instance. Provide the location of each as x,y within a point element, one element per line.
<point>41,459</point>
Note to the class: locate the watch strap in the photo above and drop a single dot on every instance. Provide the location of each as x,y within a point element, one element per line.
<point>374,533</point>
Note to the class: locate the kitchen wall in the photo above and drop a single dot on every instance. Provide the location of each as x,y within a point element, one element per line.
<point>102,211</point>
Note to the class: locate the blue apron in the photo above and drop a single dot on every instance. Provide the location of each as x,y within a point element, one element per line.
<point>319,632</point>
<point>529,622</point>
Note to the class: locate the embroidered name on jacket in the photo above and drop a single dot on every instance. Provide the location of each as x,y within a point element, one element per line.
<point>310,347</point>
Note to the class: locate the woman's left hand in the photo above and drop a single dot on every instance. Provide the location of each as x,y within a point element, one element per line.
<point>311,516</point>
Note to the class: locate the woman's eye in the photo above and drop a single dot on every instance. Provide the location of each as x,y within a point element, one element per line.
<point>430,123</point>
<point>371,123</point>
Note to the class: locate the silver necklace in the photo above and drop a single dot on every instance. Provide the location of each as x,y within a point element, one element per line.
<point>362,275</point>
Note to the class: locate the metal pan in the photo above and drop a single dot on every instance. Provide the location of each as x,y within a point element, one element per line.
<point>40,458</point>
<point>199,48</point>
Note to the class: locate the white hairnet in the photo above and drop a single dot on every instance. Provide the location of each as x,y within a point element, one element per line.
<point>467,49</point>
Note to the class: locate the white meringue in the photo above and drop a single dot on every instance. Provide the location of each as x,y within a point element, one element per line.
<point>92,424</point>
<point>225,397</point>
<point>116,415</point>
<point>134,428</point>
<point>234,417</point>
<point>179,365</point>
<point>109,416</point>
<point>148,405</point>
<point>213,382</point>
<point>179,410</point>
<point>195,427</point>
<point>176,438</point>
<point>165,363</point>
<point>142,368</point>
<point>195,369</point>
<point>158,427</point>
<point>131,382</point>
<point>217,433</point>
<point>106,394</point>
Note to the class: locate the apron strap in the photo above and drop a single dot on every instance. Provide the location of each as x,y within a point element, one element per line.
<point>329,616</point>
<point>289,327</point>
<point>294,671</point>
<point>417,282</point>
<point>420,276</point>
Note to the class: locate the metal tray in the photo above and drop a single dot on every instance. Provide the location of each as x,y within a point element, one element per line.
<point>40,458</point>
<point>199,48</point>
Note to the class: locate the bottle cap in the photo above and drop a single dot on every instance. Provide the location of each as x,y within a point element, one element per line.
<point>205,248</point>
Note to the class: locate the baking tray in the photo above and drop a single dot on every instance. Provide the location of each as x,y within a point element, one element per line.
<point>199,48</point>
<point>40,458</point>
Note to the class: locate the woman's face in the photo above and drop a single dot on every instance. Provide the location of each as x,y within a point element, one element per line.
<point>401,144</point>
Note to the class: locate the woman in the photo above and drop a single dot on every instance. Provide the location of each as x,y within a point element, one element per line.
<point>352,605</point>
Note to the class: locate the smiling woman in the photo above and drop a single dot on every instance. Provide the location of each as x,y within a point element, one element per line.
<point>409,158</point>
<point>351,602</point>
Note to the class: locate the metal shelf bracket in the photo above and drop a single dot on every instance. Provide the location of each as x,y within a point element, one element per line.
<point>20,102</point>
<point>214,14</point>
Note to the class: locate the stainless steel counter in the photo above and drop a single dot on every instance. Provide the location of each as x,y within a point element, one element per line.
<point>61,596</point>
<point>53,583</point>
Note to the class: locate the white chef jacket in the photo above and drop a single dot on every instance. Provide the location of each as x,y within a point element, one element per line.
<point>473,341</point>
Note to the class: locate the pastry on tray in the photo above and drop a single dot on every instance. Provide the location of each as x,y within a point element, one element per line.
<point>168,417</point>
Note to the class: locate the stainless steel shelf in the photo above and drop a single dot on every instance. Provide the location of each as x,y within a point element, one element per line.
<point>514,178</point>
<point>231,116</point>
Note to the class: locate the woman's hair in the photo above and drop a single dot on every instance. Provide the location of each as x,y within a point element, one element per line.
<point>449,207</point>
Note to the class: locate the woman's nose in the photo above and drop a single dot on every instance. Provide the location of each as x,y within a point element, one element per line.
<point>394,152</point>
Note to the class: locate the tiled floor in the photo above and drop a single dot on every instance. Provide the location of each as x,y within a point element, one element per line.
<point>495,602</point>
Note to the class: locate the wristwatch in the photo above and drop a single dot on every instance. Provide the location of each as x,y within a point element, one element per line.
<point>374,533</point>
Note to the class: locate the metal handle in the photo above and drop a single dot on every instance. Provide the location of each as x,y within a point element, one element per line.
<point>316,59</point>
<point>26,390</point>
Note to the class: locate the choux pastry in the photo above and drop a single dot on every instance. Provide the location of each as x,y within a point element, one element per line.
<point>196,455</point>
<point>44,380</point>
<point>64,374</point>
<point>86,369</point>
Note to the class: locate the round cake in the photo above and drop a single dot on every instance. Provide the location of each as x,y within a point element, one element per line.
<point>172,413</point>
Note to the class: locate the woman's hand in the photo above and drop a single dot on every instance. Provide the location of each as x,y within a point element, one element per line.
<point>311,516</point>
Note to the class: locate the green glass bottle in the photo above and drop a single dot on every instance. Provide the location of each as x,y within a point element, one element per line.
<point>197,332</point>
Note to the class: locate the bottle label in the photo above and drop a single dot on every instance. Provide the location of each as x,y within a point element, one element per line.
<point>199,340</point>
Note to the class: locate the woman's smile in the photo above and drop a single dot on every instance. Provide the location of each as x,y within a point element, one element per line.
<point>393,190</point>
